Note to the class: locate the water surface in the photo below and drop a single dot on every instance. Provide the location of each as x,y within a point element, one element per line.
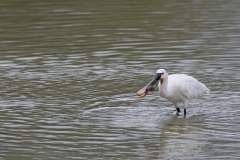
<point>69,73</point>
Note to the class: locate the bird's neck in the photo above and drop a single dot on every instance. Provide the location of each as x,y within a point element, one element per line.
<point>163,88</point>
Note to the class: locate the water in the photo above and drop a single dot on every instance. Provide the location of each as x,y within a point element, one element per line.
<point>69,73</point>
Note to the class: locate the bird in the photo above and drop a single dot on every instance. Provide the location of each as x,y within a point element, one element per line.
<point>175,88</point>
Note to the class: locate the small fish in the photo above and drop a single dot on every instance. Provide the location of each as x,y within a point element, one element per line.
<point>151,90</point>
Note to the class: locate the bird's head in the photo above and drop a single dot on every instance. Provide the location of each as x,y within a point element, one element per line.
<point>161,74</point>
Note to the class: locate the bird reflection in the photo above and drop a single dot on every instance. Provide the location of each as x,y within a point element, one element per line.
<point>180,137</point>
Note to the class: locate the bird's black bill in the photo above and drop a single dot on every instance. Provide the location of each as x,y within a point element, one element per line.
<point>143,92</point>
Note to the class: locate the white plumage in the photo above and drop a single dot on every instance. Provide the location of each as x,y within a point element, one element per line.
<point>176,88</point>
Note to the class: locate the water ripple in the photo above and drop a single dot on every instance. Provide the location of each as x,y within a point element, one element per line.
<point>69,73</point>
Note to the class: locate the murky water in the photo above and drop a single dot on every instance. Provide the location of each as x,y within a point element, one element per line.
<point>69,73</point>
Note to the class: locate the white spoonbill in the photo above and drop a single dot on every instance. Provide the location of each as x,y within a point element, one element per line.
<point>175,88</point>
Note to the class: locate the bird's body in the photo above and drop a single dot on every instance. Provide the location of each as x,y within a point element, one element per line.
<point>176,88</point>
<point>180,87</point>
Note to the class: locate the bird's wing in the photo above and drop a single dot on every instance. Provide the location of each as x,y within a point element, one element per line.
<point>188,86</point>
<point>193,88</point>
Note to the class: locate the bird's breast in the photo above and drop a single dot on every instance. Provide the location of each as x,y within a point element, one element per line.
<point>163,94</point>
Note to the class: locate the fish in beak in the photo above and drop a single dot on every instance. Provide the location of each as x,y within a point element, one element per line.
<point>144,91</point>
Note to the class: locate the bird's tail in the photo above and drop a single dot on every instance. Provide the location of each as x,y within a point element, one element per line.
<point>206,89</point>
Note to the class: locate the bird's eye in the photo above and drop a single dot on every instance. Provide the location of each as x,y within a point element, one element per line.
<point>162,73</point>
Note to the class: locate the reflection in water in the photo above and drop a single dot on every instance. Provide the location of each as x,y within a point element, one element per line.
<point>69,72</point>
<point>180,138</point>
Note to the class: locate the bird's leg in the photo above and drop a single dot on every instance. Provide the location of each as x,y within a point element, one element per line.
<point>177,108</point>
<point>185,104</point>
